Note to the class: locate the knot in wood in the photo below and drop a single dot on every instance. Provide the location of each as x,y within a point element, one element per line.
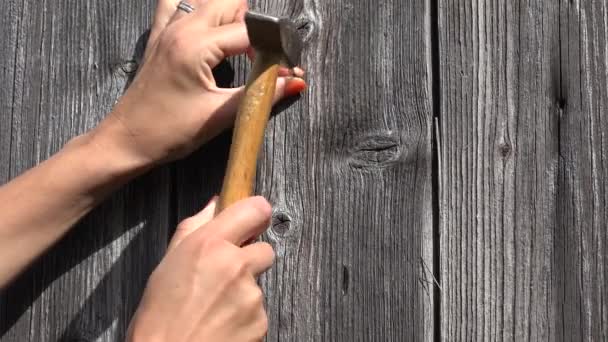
<point>504,149</point>
<point>305,27</point>
<point>345,279</point>
<point>376,151</point>
<point>129,67</point>
<point>281,223</point>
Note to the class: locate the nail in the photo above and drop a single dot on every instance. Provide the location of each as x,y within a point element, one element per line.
<point>299,72</point>
<point>294,86</point>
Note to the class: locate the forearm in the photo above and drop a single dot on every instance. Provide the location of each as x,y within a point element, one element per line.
<point>38,207</point>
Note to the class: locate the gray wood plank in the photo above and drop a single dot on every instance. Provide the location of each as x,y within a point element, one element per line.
<point>63,64</point>
<point>348,171</point>
<point>581,241</point>
<point>499,138</point>
<point>523,228</point>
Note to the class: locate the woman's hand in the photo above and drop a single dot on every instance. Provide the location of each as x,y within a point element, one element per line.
<point>171,108</point>
<point>174,104</point>
<point>205,288</point>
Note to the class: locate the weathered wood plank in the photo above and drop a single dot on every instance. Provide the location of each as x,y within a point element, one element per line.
<point>581,242</point>
<point>63,64</point>
<point>499,138</point>
<point>523,227</point>
<point>348,170</point>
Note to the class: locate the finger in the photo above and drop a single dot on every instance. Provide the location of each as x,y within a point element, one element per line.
<point>162,15</point>
<point>231,40</point>
<point>221,12</point>
<point>285,87</point>
<point>293,86</point>
<point>260,257</point>
<point>191,224</point>
<point>228,40</point>
<point>240,221</point>
<point>197,5</point>
<point>283,71</point>
<point>178,14</point>
<point>225,102</point>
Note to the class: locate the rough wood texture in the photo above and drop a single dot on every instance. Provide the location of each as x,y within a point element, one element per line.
<point>523,218</point>
<point>581,242</point>
<point>521,88</point>
<point>62,66</point>
<point>348,170</point>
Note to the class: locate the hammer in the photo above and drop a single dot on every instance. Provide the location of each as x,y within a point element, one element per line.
<point>276,42</point>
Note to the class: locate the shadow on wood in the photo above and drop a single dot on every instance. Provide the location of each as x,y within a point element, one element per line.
<point>115,219</point>
<point>80,244</point>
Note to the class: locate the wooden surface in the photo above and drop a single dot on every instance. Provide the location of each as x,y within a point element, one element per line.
<point>347,167</point>
<point>516,234</point>
<point>62,66</point>
<point>522,193</point>
<point>348,170</point>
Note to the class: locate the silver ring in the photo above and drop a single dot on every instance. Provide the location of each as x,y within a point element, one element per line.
<point>186,7</point>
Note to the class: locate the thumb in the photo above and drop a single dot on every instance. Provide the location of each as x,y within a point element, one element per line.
<point>225,102</point>
<point>231,98</point>
<point>189,225</point>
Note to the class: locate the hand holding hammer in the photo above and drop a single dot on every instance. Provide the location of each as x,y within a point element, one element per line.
<point>276,42</point>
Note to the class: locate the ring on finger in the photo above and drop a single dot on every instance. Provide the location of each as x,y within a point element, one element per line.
<point>186,7</point>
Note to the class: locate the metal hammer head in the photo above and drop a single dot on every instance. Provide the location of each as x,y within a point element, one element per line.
<point>274,35</point>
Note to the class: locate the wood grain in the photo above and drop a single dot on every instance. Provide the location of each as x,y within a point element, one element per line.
<point>523,225</point>
<point>522,198</point>
<point>581,241</point>
<point>63,64</point>
<point>347,168</point>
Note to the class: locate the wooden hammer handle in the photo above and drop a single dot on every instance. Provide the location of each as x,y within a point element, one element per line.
<point>249,128</point>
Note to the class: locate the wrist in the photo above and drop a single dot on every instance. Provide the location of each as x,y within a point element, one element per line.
<point>103,160</point>
<point>111,144</point>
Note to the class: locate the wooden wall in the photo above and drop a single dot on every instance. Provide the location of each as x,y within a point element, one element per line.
<point>441,179</point>
<point>347,168</point>
<point>522,197</point>
<point>63,64</point>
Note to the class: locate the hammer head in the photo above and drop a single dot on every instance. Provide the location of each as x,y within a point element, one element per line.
<point>274,35</point>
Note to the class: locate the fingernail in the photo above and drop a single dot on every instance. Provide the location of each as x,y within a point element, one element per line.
<point>294,86</point>
<point>299,72</point>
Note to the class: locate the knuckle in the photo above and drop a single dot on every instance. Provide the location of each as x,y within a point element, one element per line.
<point>238,268</point>
<point>255,299</point>
<point>261,206</point>
<point>264,254</point>
<point>268,250</point>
